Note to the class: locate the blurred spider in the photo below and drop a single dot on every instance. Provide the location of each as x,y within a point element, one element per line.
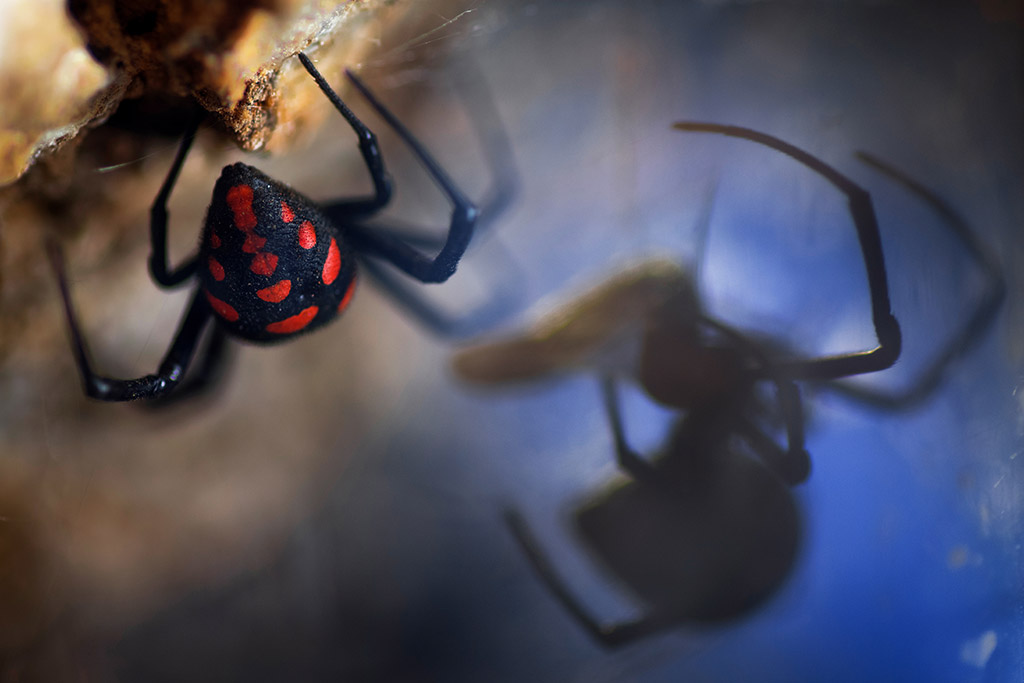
<point>272,264</point>
<point>707,529</point>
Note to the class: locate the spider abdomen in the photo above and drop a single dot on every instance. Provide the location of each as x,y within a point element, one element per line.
<point>271,265</point>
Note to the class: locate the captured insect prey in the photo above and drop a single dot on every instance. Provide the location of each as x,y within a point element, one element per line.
<point>707,528</point>
<point>273,264</point>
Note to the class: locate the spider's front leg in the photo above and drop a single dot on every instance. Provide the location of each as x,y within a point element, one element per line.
<point>608,635</point>
<point>158,266</point>
<point>862,211</point>
<point>382,244</point>
<point>367,146</point>
<point>171,370</point>
<point>178,357</point>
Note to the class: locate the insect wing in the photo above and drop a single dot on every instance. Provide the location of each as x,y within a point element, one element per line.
<point>592,331</point>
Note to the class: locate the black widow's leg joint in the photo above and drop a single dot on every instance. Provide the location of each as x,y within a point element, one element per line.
<point>495,145</point>
<point>863,214</point>
<point>158,266</point>
<point>890,341</point>
<point>368,146</point>
<point>887,328</point>
<point>172,369</point>
<point>974,326</point>
<point>209,367</point>
<point>460,229</point>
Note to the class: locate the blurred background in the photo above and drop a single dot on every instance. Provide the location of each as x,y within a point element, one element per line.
<point>342,495</point>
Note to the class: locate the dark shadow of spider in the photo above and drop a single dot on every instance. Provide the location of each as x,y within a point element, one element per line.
<point>707,528</point>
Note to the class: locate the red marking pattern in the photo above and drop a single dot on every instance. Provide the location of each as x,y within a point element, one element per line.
<point>264,263</point>
<point>222,308</point>
<point>253,243</point>
<point>287,215</point>
<point>348,296</point>
<point>239,198</point>
<point>216,269</point>
<point>333,263</point>
<point>294,323</point>
<point>240,201</point>
<point>214,240</point>
<point>307,235</point>
<point>277,292</point>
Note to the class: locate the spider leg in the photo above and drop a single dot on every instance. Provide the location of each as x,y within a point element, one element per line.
<point>794,463</point>
<point>610,635</point>
<point>460,230</point>
<point>862,211</point>
<point>367,146</point>
<point>504,187</point>
<point>210,366</point>
<point>171,370</point>
<point>973,328</point>
<point>158,266</point>
<point>497,151</point>
<point>627,458</point>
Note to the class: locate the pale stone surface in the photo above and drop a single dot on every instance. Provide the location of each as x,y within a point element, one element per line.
<point>51,84</point>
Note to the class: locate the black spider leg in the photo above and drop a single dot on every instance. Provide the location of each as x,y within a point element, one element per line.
<point>887,329</point>
<point>399,244</point>
<point>792,463</point>
<point>498,155</point>
<point>499,196</point>
<point>974,327</point>
<point>404,257</point>
<point>212,362</point>
<point>215,355</point>
<point>171,370</point>
<point>368,147</point>
<point>178,357</point>
<point>610,635</point>
<point>628,459</point>
<point>158,265</point>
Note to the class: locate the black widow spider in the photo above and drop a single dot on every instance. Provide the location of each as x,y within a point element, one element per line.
<point>273,264</point>
<point>707,528</point>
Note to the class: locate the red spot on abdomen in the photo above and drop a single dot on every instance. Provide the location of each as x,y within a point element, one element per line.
<point>307,235</point>
<point>287,215</point>
<point>333,263</point>
<point>216,269</point>
<point>264,263</point>
<point>277,292</point>
<point>240,200</point>
<point>214,240</point>
<point>222,308</point>
<point>253,243</point>
<point>348,296</point>
<point>294,323</point>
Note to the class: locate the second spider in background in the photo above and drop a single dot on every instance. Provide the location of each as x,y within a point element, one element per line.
<point>706,529</point>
